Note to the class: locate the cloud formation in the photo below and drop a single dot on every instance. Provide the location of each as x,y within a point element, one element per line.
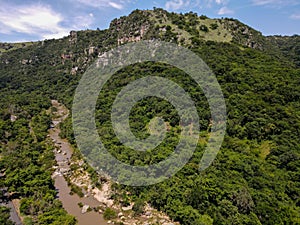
<point>40,21</point>
<point>274,2</point>
<point>176,4</point>
<point>118,4</point>
<point>225,11</point>
<point>219,2</point>
<point>295,16</point>
<point>32,19</point>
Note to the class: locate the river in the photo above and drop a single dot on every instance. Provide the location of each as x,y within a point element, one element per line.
<point>63,153</point>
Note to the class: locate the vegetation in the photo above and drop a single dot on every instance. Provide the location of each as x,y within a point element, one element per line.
<point>4,216</point>
<point>290,46</point>
<point>77,190</point>
<point>5,47</point>
<point>109,214</point>
<point>138,207</point>
<point>28,165</point>
<point>255,177</point>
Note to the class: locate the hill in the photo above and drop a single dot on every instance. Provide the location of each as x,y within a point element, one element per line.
<point>289,46</point>
<point>255,177</point>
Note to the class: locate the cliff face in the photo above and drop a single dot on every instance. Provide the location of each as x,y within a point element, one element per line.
<point>132,28</point>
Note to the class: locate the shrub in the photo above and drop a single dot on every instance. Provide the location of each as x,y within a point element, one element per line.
<point>109,214</point>
<point>138,207</point>
<point>77,190</point>
<point>214,26</point>
<point>204,28</point>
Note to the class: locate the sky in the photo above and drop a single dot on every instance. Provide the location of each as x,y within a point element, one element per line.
<point>32,20</point>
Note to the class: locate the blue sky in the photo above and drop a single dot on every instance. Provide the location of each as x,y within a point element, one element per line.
<point>31,20</point>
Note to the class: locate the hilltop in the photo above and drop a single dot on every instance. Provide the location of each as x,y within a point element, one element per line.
<point>185,29</point>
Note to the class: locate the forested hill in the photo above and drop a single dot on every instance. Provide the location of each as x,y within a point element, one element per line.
<point>289,45</point>
<point>255,178</point>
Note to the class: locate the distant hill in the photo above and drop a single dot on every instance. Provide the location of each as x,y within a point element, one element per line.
<point>289,45</point>
<point>5,47</point>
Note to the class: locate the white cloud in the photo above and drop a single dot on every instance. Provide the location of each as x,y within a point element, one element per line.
<point>213,3</point>
<point>176,4</point>
<point>224,10</point>
<point>117,4</point>
<point>56,35</point>
<point>295,16</point>
<point>219,2</point>
<point>81,22</point>
<point>275,2</point>
<point>40,21</point>
<point>265,2</point>
<point>35,19</point>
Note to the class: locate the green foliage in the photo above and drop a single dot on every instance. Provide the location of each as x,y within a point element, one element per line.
<point>27,159</point>
<point>28,221</point>
<point>4,216</point>
<point>77,190</point>
<point>205,220</point>
<point>204,28</point>
<point>289,46</point>
<point>138,207</point>
<point>214,26</point>
<point>41,124</point>
<point>109,214</point>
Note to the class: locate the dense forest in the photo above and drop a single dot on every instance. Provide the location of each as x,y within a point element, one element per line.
<point>255,178</point>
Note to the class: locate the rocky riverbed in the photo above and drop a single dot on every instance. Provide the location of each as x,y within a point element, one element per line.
<point>89,209</point>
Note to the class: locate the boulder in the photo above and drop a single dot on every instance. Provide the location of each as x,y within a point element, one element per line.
<point>85,209</point>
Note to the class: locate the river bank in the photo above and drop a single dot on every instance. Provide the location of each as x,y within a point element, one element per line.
<point>63,153</point>
<point>14,211</point>
<point>95,200</point>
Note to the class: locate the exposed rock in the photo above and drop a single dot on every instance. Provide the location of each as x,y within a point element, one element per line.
<point>127,208</point>
<point>85,209</point>
<point>129,31</point>
<point>13,118</point>
<point>103,196</point>
<point>92,50</point>
<point>26,61</point>
<point>73,37</point>
<point>74,70</point>
<point>66,56</point>
<point>148,213</point>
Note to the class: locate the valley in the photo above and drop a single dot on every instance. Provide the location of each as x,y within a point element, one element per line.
<point>254,179</point>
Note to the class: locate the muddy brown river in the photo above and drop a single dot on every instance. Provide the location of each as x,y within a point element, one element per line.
<point>70,202</point>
